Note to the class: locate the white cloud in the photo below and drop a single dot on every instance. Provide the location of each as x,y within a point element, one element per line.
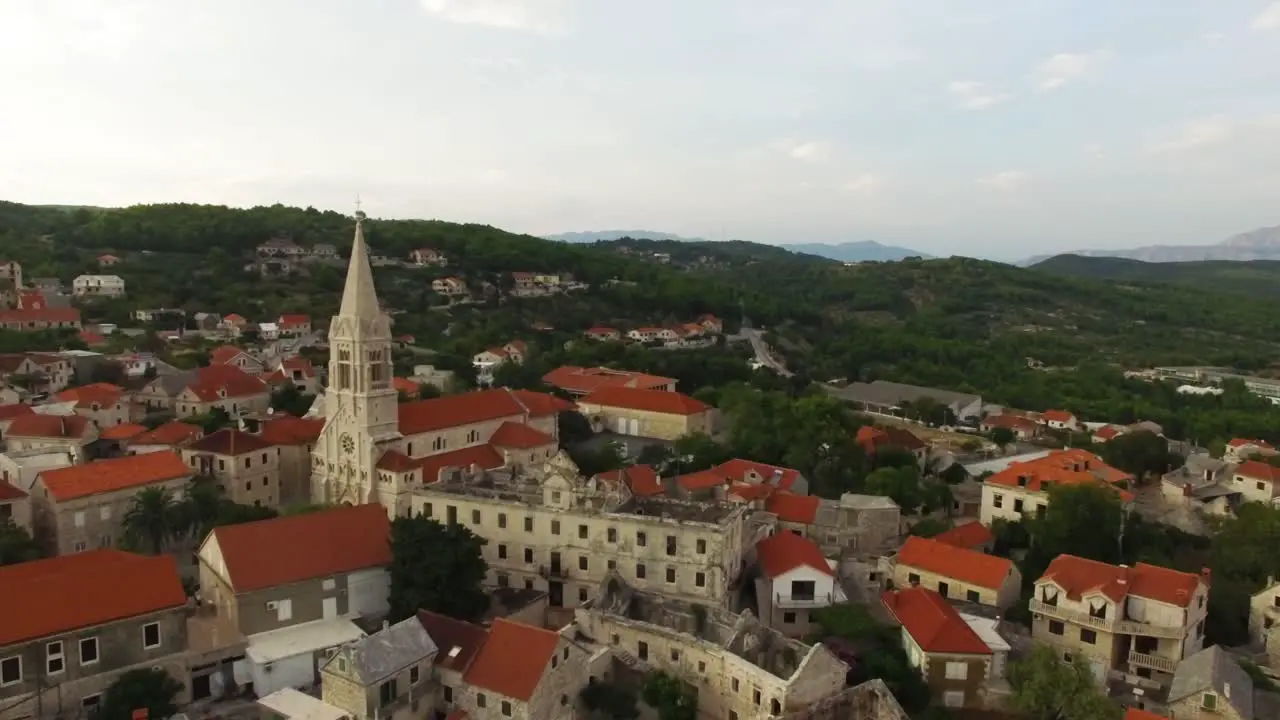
<point>540,16</point>
<point>972,95</point>
<point>1006,181</point>
<point>810,151</point>
<point>1197,134</point>
<point>864,185</point>
<point>1065,68</point>
<point>1269,19</point>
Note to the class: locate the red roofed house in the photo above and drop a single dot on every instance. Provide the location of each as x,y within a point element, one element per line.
<point>796,579</point>
<point>972,535</point>
<point>246,466</point>
<point>487,362</point>
<point>1022,427</point>
<point>222,386</point>
<point>50,432</point>
<point>296,371</point>
<point>1257,481</point>
<point>659,414</point>
<point>957,573</point>
<point>169,436</point>
<point>1241,449</point>
<point>294,325</point>
<point>234,356</point>
<point>81,621</point>
<point>603,334</point>
<point>1141,620</point>
<point>102,403</point>
<point>579,381</point>
<point>294,440</point>
<point>641,480</point>
<point>948,653</point>
<point>15,505</point>
<point>290,585</point>
<point>523,671</point>
<point>40,318</point>
<point>9,413</point>
<point>1059,420</point>
<point>1023,487</point>
<point>427,256</point>
<point>1107,433</point>
<point>82,507</point>
<point>873,439</point>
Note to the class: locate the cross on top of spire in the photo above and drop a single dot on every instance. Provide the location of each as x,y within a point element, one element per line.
<point>359,212</point>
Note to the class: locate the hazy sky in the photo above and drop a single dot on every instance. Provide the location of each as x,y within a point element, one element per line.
<point>1001,128</point>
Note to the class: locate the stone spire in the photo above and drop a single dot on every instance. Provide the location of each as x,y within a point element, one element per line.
<point>358,297</point>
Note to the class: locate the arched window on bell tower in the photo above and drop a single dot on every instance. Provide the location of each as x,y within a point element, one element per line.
<point>343,381</point>
<point>379,372</point>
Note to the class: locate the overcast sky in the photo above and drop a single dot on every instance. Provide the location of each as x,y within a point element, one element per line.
<point>998,128</point>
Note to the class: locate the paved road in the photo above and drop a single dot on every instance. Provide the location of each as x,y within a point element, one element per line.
<point>763,354</point>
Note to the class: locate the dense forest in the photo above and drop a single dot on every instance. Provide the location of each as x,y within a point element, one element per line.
<point>1256,278</point>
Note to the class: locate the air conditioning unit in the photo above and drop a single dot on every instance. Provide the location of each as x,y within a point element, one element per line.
<point>273,605</point>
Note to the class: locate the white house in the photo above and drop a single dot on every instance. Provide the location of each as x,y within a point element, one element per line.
<point>488,361</point>
<point>649,334</point>
<point>268,331</point>
<point>98,286</point>
<point>1059,420</point>
<point>796,579</point>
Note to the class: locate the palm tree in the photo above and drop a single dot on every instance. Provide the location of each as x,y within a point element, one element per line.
<point>151,519</point>
<point>198,512</point>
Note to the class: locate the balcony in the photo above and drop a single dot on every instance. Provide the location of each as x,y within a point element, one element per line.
<point>808,600</point>
<point>1110,625</point>
<point>553,572</point>
<point>1153,662</point>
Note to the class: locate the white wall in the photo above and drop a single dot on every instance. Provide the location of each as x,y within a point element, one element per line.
<point>368,592</point>
<point>293,672</point>
<point>823,584</point>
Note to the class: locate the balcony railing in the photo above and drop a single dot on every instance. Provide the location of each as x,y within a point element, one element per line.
<point>805,600</point>
<point>1155,662</point>
<point>1111,625</point>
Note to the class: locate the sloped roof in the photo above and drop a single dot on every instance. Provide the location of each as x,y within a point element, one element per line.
<point>932,622</point>
<point>456,410</point>
<point>642,480</point>
<point>289,430</point>
<point>970,535</point>
<point>390,650</point>
<point>794,508</point>
<point>112,474</point>
<point>970,566</point>
<point>738,470</point>
<point>53,596</point>
<point>319,544</point>
<point>13,411</point>
<point>585,380</point>
<point>1258,470</point>
<point>122,432</point>
<point>225,381</point>
<point>1214,669</point>
<point>50,426</point>
<point>785,551</point>
<point>228,441</point>
<point>513,659</point>
<point>9,492</point>
<point>459,642</point>
<point>170,433</point>
<point>101,394</point>
<point>658,401</point>
<point>512,434</point>
<point>483,456</point>
<point>1078,576</point>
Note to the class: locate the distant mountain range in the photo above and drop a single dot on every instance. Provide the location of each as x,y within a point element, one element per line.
<point>1260,244</point>
<point>864,251</point>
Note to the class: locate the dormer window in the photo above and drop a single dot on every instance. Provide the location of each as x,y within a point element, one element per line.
<point>1049,596</point>
<point>1099,612</point>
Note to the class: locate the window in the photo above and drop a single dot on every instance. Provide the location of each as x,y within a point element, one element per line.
<point>502,552</point>
<point>702,666</point>
<point>151,635</point>
<point>1056,627</point>
<point>475,517</point>
<point>480,700</point>
<point>582,562</point>
<point>700,579</point>
<point>504,580</point>
<point>613,535</point>
<point>79,518</point>
<point>675,655</point>
<point>565,653</point>
<point>342,664</point>
<point>528,555</point>
<point>702,547</point>
<point>735,684</point>
<point>1088,636</point>
<point>506,708</point>
<point>555,527</point>
<point>943,589</point>
<point>91,702</point>
<point>972,596</point>
<point>997,500</point>
<point>953,698</point>
<point>89,651</point>
<point>555,496</point>
<point>671,545</point>
<point>1017,505</point>
<point>448,694</point>
<point>582,594</point>
<point>502,520</point>
<point>528,524</point>
<point>913,578</point>
<point>528,583</point>
<point>615,639</point>
<point>755,696</point>
<point>1209,701</point>
<point>582,531</point>
<point>10,671</point>
<point>426,509</point>
<point>104,513</point>
<point>640,539</point>
<point>642,649</point>
<point>413,676</point>
<point>55,662</point>
<point>613,564</point>
<point>957,671</point>
<point>788,618</point>
<point>671,575</point>
<point>640,571</point>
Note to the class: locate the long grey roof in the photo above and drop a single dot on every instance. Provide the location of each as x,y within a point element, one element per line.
<point>1214,669</point>
<point>390,650</point>
<point>883,392</point>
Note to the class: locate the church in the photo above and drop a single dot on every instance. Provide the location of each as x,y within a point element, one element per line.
<point>375,449</point>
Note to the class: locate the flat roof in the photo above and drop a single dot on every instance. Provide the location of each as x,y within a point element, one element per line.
<point>297,705</point>
<point>994,466</point>
<point>309,637</point>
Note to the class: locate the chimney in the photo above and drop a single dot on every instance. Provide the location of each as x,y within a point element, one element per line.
<point>1207,576</point>
<point>386,624</point>
<point>1226,690</point>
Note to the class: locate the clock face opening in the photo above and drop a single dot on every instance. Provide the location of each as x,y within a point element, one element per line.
<point>348,444</point>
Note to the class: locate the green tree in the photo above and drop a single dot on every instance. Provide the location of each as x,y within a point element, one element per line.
<point>902,485</point>
<point>152,519</point>
<point>1003,436</point>
<point>1082,520</point>
<point>610,701</point>
<point>930,527</point>
<point>670,697</point>
<point>437,567</point>
<point>16,545</point>
<point>1044,688</point>
<point>150,689</point>
<point>1144,454</point>
<point>288,399</point>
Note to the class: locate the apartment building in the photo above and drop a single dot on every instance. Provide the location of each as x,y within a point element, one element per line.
<point>957,573</point>
<point>80,622</point>
<point>98,286</point>
<point>740,668</point>
<point>82,507</point>
<point>1023,488</point>
<point>562,533</point>
<point>1140,621</point>
<point>294,440</point>
<point>246,466</point>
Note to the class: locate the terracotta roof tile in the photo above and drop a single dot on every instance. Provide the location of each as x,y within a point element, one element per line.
<point>112,474</point>
<point>406,386</point>
<point>1011,422</point>
<point>1061,467</point>
<point>541,404</point>
<point>933,623</point>
<point>455,410</point>
<point>13,411</point>
<point>658,401</point>
<point>9,492</point>
<point>53,601</point>
<point>970,566</point>
<point>749,471</point>
<point>1078,577</point>
<point>397,462</point>
<point>170,433</point>
<point>794,508</point>
<point>1061,416</point>
<point>482,455</point>
<point>513,659</point>
<point>50,426</point>
<point>229,442</point>
<point>294,320</point>
<point>1258,470</point>
<point>225,354</point>
<point>512,434</point>
<point>642,480</point>
<point>584,380</point>
<point>971,535</point>
<point>1241,442</point>
<point>303,547</point>
<point>702,480</point>
<point>225,381</point>
<point>289,430</point>
<point>785,551</point>
<point>101,394</point>
<point>459,642</point>
<point>300,364</point>
<point>1140,714</point>
<point>44,314</point>
<point>122,432</point>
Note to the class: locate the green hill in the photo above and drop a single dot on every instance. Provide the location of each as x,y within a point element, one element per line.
<point>1256,278</point>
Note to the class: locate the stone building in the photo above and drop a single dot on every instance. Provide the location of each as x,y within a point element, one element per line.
<point>246,466</point>
<point>386,675</point>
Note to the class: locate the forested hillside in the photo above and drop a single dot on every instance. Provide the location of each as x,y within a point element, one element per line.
<point>1255,278</point>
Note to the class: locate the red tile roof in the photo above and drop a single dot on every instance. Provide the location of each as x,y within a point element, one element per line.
<point>513,659</point>
<point>971,535</point>
<point>750,471</point>
<point>53,598</point>
<point>294,320</point>
<point>970,566</point>
<point>584,380</point>
<point>872,438</point>
<point>406,386</point>
<point>701,480</point>
<point>229,442</point>
<point>519,436</point>
<point>458,642</point>
<point>92,339</point>
<point>13,411</point>
<point>9,492</point>
<point>794,508</point>
<point>1140,714</point>
<point>225,354</point>
<point>785,551</point>
<point>658,401</point>
<point>1061,416</point>
<point>482,455</point>
<point>397,462</point>
<point>102,394</point>
<point>1107,432</point>
<point>170,433</point>
<point>642,480</point>
<point>1258,470</point>
<point>1078,577</point>
<point>319,544</point>
<point>1061,467</point>
<point>933,623</point>
<point>122,432</point>
<point>40,315</point>
<point>112,474</point>
<point>541,404</point>
<point>225,381</point>
<point>50,426</point>
<point>456,410</point>
<point>300,364</point>
<point>1011,422</point>
<point>1241,442</point>
<point>289,430</point>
